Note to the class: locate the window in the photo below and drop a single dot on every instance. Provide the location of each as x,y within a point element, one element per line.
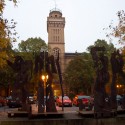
<point>55,52</point>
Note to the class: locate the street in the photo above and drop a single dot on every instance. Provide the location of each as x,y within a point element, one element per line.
<point>66,109</point>
<point>72,109</point>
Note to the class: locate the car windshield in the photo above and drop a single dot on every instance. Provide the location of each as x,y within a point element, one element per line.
<point>80,97</point>
<point>30,97</point>
<point>118,97</point>
<point>65,97</point>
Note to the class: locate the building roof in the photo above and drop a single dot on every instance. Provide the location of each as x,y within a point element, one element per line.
<point>72,54</point>
<point>56,10</point>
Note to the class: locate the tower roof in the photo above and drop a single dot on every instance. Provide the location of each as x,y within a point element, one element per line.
<point>55,10</point>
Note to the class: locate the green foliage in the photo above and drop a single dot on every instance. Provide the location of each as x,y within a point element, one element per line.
<point>109,48</point>
<point>79,74</point>
<point>100,43</point>
<point>32,45</point>
<point>28,50</point>
<point>6,76</point>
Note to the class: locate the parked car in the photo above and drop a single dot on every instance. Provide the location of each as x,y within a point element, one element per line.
<point>55,97</point>
<point>87,101</point>
<point>3,101</point>
<point>30,100</point>
<point>14,103</point>
<point>66,101</point>
<point>35,97</point>
<point>119,99</point>
<point>123,102</point>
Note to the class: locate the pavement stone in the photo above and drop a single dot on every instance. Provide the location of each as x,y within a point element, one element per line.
<point>67,115</point>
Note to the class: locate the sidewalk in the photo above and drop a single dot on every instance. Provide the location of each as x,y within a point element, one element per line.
<point>66,115</point>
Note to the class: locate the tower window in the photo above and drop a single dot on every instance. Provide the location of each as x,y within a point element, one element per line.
<point>55,52</point>
<point>54,31</point>
<point>55,15</point>
<point>58,38</point>
<point>53,38</point>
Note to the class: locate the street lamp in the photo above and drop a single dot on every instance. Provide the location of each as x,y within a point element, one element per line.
<point>118,87</point>
<point>45,77</point>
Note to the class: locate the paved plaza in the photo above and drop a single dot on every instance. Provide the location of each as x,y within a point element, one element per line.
<point>67,113</point>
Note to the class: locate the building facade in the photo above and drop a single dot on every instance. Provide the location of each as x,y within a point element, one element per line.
<point>56,41</point>
<point>55,29</point>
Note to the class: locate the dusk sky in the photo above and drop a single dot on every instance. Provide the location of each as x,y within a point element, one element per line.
<point>85,19</point>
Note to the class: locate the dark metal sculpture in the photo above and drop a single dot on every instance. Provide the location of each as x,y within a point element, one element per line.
<point>21,68</point>
<point>117,64</point>
<point>60,77</point>
<point>102,77</point>
<point>45,64</point>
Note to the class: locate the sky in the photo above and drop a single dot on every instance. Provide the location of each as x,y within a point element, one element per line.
<point>85,20</point>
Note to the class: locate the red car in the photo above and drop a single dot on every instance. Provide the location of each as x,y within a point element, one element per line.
<point>66,101</point>
<point>3,101</point>
<point>86,100</point>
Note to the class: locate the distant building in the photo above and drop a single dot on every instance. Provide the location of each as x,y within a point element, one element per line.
<point>56,39</point>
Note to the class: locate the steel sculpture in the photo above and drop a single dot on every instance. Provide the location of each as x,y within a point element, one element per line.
<point>117,64</point>
<point>45,64</point>
<point>102,77</point>
<point>22,68</point>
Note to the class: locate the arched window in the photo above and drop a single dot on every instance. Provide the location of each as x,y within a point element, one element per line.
<point>55,52</point>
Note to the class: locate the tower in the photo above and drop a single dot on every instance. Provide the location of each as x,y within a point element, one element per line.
<point>55,29</point>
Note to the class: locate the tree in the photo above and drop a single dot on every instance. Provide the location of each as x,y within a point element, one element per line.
<point>117,31</point>
<point>28,50</point>
<point>7,34</point>
<point>109,49</point>
<point>32,45</point>
<point>120,29</point>
<point>6,80</point>
<point>102,43</point>
<point>79,74</point>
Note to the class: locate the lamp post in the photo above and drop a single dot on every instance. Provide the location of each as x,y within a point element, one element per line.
<point>45,77</point>
<point>119,87</point>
